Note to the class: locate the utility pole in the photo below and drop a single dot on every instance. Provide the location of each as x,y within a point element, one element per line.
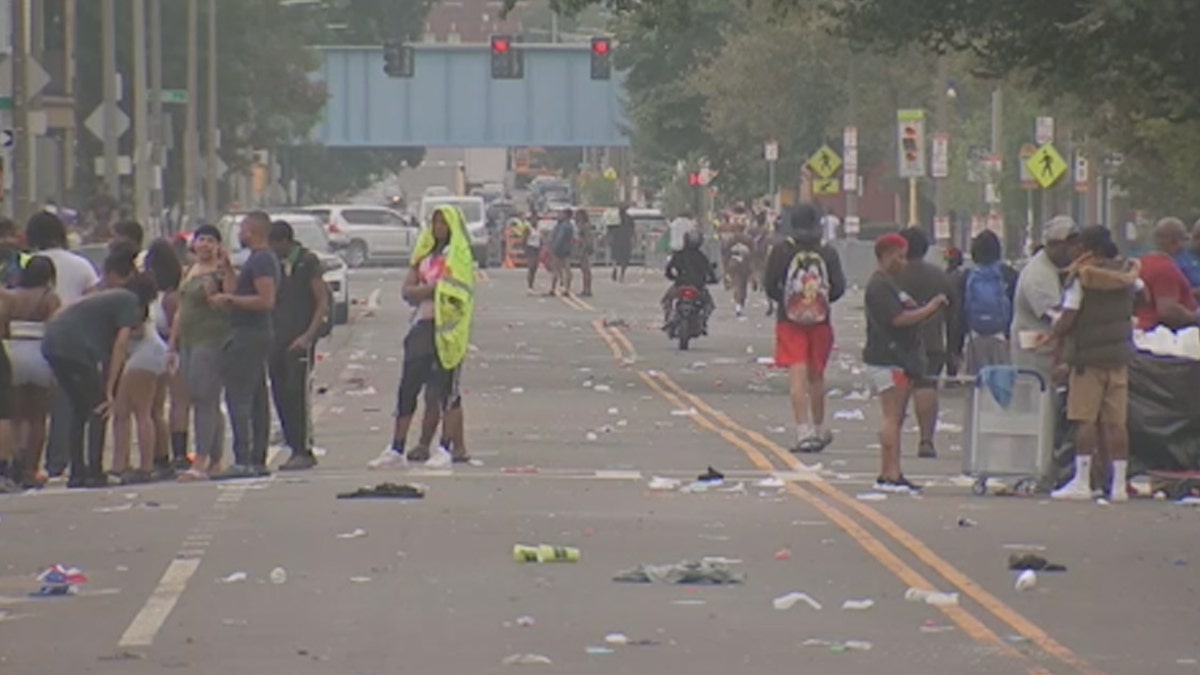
<point>108,31</point>
<point>157,140</point>
<point>141,154</point>
<point>22,139</point>
<point>997,149</point>
<point>191,140</point>
<point>212,210</point>
<point>942,124</point>
<point>852,188</point>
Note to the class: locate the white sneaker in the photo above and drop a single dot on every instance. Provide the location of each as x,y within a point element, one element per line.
<point>388,459</point>
<point>439,458</point>
<point>1073,491</point>
<point>737,310</point>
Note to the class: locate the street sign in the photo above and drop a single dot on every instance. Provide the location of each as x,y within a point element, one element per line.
<point>976,170</point>
<point>940,157</point>
<point>124,166</point>
<point>36,77</point>
<point>941,227</point>
<point>10,139</point>
<point>771,151</point>
<point>1047,166</point>
<point>178,96</point>
<point>910,129</point>
<point>825,162</point>
<point>1081,172</point>
<point>850,138</point>
<point>825,186</point>
<point>96,122</point>
<point>1043,131</point>
<point>1027,151</point>
<point>852,225</point>
<point>850,182</point>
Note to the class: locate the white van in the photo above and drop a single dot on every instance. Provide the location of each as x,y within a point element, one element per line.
<point>475,214</point>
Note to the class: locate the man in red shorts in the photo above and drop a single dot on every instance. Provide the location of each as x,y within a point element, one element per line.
<point>804,278</point>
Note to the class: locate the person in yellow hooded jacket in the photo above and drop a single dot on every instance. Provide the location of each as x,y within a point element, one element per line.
<point>441,286</point>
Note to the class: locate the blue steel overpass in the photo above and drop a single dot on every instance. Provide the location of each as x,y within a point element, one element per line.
<point>452,100</point>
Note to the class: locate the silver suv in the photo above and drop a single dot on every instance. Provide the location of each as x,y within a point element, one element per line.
<point>362,233</point>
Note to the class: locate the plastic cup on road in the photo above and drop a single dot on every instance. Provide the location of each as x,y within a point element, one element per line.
<point>525,554</point>
<point>547,553</point>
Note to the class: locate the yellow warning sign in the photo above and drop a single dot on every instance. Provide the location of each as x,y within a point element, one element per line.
<point>1046,166</point>
<point>826,186</point>
<point>825,162</point>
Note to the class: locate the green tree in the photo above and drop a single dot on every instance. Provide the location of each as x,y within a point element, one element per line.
<point>665,111</point>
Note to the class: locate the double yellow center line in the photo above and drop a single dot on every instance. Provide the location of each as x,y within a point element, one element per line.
<point>575,303</point>
<point>850,515</point>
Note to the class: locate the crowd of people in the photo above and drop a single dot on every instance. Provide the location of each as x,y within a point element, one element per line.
<point>148,347</point>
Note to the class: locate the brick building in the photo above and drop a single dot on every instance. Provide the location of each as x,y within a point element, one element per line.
<point>471,21</point>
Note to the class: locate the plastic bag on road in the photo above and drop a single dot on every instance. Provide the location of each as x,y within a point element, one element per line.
<point>685,572</point>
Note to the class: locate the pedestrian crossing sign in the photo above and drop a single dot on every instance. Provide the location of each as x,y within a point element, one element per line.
<point>825,162</point>
<point>1046,166</point>
<point>825,186</point>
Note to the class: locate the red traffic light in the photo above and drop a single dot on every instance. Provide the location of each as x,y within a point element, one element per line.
<point>500,45</point>
<point>601,46</point>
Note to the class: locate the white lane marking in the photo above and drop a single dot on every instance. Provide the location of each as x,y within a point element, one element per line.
<point>617,475</point>
<point>162,601</point>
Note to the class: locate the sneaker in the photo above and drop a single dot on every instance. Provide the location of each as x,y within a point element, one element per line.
<point>882,484</point>
<point>809,445</point>
<point>8,487</point>
<point>826,438</point>
<point>234,472</point>
<point>926,450</point>
<point>1073,491</point>
<point>440,458</point>
<point>136,477</point>
<point>1119,495</point>
<point>419,454</point>
<point>298,462</point>
<point>99,481</point>
<point>193,475</point>
<point>903,485</point>
<point>388,459</point>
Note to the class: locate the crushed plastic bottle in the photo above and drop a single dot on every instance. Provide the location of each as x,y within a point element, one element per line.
<point>278,576</point>
<point>858,605</point>
<point>235,578</point>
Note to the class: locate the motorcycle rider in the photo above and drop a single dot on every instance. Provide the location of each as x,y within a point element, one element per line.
<point>690,267</point>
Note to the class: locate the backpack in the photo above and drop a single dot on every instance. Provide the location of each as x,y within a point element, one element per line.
<point>806,289</point>
<point>987,307</point>
<point>563,240</point>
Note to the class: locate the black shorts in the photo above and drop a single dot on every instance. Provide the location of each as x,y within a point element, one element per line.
<point>425,373</point>
<point>935,364</point>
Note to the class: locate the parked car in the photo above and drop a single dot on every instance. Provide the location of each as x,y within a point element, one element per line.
<point>310,233</point>
<point>363,233</point>
<point>476,222</point>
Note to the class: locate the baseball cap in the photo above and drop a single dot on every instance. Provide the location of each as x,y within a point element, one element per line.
<point>1060,228</point>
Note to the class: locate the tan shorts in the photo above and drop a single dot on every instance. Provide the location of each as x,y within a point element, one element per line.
<point>1098,394</point>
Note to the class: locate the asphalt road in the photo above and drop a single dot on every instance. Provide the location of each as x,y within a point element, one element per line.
<point>572,408</point>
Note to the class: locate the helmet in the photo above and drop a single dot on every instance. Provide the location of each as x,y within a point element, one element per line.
<point>692,239</point>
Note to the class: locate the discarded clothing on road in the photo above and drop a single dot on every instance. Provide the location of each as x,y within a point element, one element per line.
<point>704,572</point>
<point>1030,561</point>
<point>386,491</point>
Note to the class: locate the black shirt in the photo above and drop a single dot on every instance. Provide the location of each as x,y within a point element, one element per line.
<point>690,267</point>
<point>886,344</point>
<point>86,330</point>
<point>294,301</point>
